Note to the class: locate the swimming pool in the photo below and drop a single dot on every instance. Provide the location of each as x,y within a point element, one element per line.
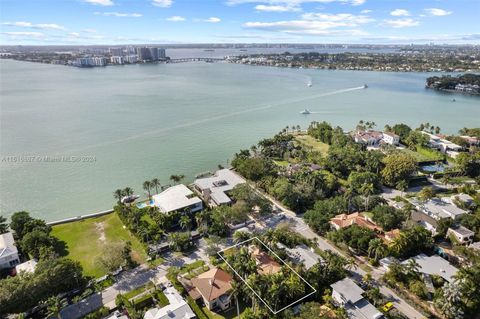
<point>145,204</point>
<point>435,168</point>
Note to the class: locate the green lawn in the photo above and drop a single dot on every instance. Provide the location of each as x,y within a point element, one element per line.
<point>424,154</point>
<point>86,238</point>
<point>312,143</point>
<point>189,267</point>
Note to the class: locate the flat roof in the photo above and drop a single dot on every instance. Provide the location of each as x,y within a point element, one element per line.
<point>28,266</point>
<point>435,265</point>
<point>175,198</point>
<point>348,289</point>
<point>440,208</point>
<point>223,180</point>
<point>177,309</point>
<point>459,229</point>
<point>363,310</point>
<point>303,254</point>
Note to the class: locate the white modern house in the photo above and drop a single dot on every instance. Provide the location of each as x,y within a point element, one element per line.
<point>215,189</point>
<point>177,198</point>
<point>8,251</point>
<point>434,265</point>
<point>349,295</point>
<point>438,208</point>
<point>443,145</point>
<point>462,234</point>
<point>391,138</point>
<point>177,308</point>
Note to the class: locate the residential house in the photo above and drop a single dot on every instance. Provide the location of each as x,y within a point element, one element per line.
<point>303,254</point>
<point>177,308</point>
<point>439,208</point>
<point>391,138</point>
<point>177,198</point>
<point>350,296</point>
<point>27,267</point>
<point>266,264</point>
<point>443,145</point>
<point>391,235</point>
<point>8,251</point>
<point>368,138</point>
<point>344,220</point>
<point>462,234</point>
<point>471,140</point>
<point>215,189</point>
<point>213,287</point>
<point>434,265</point>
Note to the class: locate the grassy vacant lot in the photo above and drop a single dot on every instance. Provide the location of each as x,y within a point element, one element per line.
<point>85,240</point>
<point>311,143</point>
<point>424,154</point>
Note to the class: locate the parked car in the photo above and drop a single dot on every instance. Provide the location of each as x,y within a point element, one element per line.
<point>388,306</point>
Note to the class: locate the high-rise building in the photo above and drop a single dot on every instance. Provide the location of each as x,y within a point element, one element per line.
<point>117,51</point>
<point>161,54</point>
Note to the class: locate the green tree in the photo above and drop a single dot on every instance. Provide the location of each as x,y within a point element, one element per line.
<point>367,190</point>
<point>54,305</point>
<point>376,249</point>
<point>3,225</point>
<point>118,194</point>
<point>33,243</point>
<point>185,222</point>
<point>156,184</point>
<point>398,166</point>
<point>18,222</point>
<point>112,257</point>
<point>426,193</point>
<point>147,186</point>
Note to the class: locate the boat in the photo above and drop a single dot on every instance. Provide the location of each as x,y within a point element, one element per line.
<point>365,86</point>
<point>453,100</point>
<point>129,199</point>
<point>305,112</point>
<point>309,85</point>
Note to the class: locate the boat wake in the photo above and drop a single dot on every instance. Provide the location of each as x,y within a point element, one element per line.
<point>219,117</point>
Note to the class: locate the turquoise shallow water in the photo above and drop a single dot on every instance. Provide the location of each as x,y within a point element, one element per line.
<point>144,121</point>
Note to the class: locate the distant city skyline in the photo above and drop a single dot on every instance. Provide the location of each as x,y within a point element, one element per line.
<point>112,22</point>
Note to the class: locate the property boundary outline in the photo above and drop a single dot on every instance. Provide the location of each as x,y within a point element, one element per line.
<point>256,294</point>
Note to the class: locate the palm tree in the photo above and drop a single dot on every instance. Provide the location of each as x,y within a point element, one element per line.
<point>147,185</point>
<point>128,191</point>
<point>376,248</point>
<point>240,236</point>
<point>176,178</point>
<point>156,183</point>
<point>118,194</point>
<point>185,222</point>
<point>348,194</point>
<point>367,190</point>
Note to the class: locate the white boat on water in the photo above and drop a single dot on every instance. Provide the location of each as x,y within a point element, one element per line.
<point>365,86</point>
<point>305,112</point>
<point>309,84</point>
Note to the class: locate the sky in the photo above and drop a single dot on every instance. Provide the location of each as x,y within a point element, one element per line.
<point>49,22</point>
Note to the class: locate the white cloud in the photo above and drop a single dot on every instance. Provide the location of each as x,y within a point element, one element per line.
<point>400,13</point>
<point>89,30</point>
<point>162,3</point>
<point>366,11</point>
<point>402,23</point>
<point>119,14</point>
<point>100,2</point>
<point>16,35</point>
<point>276,8</point>
<point>316,24</point>
<point>42,26</point>
<point>176,18</point>
<point>294,3</point>
<point>209,20</point>
<point>438,12</point>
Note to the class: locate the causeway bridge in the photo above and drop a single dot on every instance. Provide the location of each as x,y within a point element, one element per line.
<point>209,60</point>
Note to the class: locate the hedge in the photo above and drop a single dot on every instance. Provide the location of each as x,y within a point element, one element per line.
<point>198,311</point>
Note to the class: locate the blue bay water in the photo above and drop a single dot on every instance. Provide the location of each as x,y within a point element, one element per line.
<point>146,121</point>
